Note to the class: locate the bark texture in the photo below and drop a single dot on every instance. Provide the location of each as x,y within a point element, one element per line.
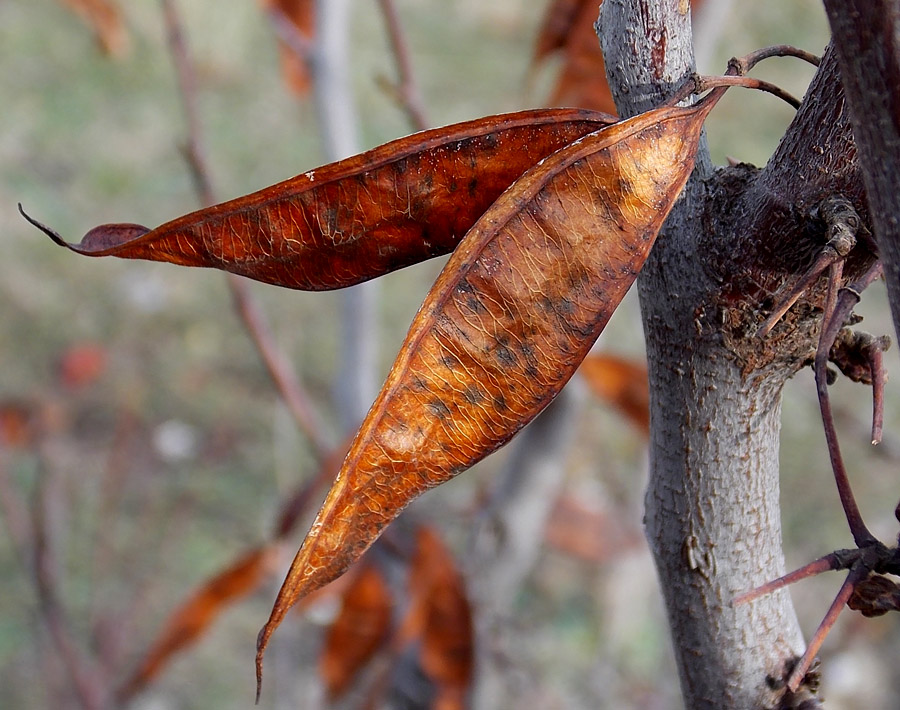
<point>712,506</point>
<point>866,34</point>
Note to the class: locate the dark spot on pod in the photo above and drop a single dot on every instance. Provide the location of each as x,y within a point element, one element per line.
<point>531,363</point>
<point>577,278</point>
<point>504,355</point>
<point>499,403</point>
<point>471,301</point>
<point>475,305</point>
<point>565,307</point>
<point>472,394</point>
<point>439,409</point>
<point>419,384</point>
<point>473,186</point>
<point>398,424</point>
<point>330,215</point>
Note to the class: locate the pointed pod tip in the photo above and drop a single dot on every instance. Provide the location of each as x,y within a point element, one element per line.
<point>262,640</point>
<point>43,227</point>
<point>100,241</point>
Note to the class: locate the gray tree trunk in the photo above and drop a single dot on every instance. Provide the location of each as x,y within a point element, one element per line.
<point>867,39</point>
<point>712,506</point>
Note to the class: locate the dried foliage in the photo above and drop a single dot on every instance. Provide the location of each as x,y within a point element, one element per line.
<point>622,383</point>
<point>193,618</point>
<point>549,216</point>
<point>105,19</point>
<point>406,201</point>
<point>359,631</point>
<point>512,315</point>
<point>301,14</point>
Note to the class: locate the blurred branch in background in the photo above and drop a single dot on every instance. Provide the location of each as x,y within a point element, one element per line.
<point>508,535</point>
<point>357,380</point>
<point>406,88</point>
<point>247,307</point>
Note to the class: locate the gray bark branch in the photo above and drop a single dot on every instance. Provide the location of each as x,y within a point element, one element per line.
<point>712,506</point>
<point>866,34</point>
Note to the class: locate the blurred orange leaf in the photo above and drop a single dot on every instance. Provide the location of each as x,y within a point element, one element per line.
<point>362,627</point>
<point>302,15</point>
<point>588,533</point>
<point>441,617</point>
<point>17,424</point>
<point>559,19</point>
<point>622,383</point>
<point>105,19</point>
<point>568,27</point>
<point>194,617</point>
<point>82,364</point>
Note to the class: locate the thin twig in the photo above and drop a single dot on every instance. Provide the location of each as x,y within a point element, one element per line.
<point>823,564</point>
<point>279,368</point>
<point>187,86</point>
<point>830,326</point>
<point>15,517</point>
<point>407,89</point>
<point>738,68</point>
<point>797,674</point>
<point>286,31</point>
<point>247,307</point>
<point>105,624</point>
<point>842,226</point>
<point>749,61</point>
<point>835,316</point>
<point>82,676</point>
<point>823,261</point>
<point>748,82</point>
<point>876,366</point>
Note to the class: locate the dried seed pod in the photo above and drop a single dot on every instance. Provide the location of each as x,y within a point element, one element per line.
<point>513,313</point>
<point>396,205</point>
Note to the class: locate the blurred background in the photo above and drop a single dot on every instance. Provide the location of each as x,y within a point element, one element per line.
<point>144,448</point>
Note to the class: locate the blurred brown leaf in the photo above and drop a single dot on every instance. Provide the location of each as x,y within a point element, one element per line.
<point>194,617</point>
<point>622,383</point>
<point>559,19</point>
<point>17,424</point>
<point>82,364</point>
<point>440,615</point>
<point>302,15</point>
<point>105,19</point>
<point>587,533</point>
<point>361,628</point>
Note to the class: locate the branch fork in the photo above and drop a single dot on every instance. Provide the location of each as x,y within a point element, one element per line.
<point>859,356</point>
